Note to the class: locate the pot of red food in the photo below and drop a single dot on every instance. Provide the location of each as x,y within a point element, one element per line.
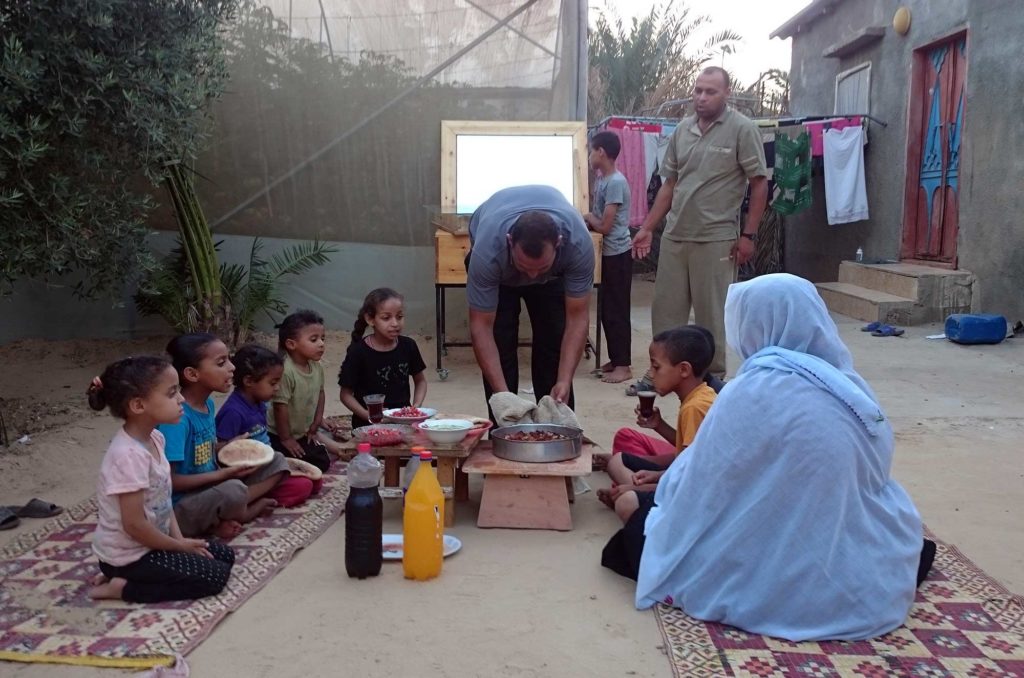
<point>537,443</point>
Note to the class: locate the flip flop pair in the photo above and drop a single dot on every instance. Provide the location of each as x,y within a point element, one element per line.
<point>35,508</point>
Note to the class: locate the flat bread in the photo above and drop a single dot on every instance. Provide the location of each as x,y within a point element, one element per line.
<point>246,453</point>
<point>476,421</point>
<point>297,467</point>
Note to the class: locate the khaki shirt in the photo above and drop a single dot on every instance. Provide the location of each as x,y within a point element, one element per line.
<point>711,171</point>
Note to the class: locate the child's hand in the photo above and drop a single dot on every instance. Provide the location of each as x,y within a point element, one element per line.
<point>195,546</point>
<point>239,471</point>
<point>330,426</point>
<point>618,490</point>
<point>648,422</point>
<point>293,447</point>
<point>646,477</point>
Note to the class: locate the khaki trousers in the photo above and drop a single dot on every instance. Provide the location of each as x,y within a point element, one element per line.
<point>693,275</point>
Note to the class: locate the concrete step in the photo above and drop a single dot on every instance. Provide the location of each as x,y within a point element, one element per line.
<point>937,292</point>
<point>866,304</point>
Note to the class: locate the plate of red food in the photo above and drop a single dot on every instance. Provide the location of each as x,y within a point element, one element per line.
<point>383,435</point>
<point>409,415</point>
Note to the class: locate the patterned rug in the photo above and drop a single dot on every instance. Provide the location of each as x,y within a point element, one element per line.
<point>963,623</point>
<point>45,615</point>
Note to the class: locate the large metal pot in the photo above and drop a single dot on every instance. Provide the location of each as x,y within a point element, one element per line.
<point>537,452</point>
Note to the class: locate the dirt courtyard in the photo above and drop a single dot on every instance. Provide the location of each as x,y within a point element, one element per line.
<point>526,603</point>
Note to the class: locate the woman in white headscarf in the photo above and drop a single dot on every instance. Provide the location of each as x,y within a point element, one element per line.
<point>781,518</point>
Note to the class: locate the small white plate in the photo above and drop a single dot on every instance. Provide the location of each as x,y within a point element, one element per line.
<point>392,544</point>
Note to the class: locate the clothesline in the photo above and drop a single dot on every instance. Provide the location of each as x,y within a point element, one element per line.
<point>635,118</point>
<point>796,120</point>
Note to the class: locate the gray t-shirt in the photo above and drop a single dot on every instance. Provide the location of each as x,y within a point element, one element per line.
<point>490,261</point>
<point>614,190</point>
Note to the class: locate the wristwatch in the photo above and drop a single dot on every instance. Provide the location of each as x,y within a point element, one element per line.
<point>751,236</point>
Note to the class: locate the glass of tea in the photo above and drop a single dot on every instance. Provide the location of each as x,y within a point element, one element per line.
<point>375,406</point>
<point>646,403</point>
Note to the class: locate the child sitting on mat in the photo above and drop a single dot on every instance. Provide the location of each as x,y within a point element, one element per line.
<point>144,558</point>
<point>208,498</point>
<point>299,401</point>
<point>244,414</point>
<point>680,358</point>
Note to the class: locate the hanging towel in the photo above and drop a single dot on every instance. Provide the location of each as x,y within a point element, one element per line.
<point>846,197</point>
<point>818,128</point>
<point>650,155</point>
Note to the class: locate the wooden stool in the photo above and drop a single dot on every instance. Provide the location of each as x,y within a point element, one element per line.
<point>523,495</point>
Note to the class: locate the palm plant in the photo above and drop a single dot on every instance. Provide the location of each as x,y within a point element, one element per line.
<point>247,291</point>
<point>651,62</point>
<point>254,290</point>
<point>195,293</point>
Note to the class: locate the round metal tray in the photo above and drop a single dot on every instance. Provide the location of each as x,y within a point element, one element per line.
<point>540,452</point>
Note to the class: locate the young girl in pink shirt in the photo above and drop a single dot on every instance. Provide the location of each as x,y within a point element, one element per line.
<point>143,556</point>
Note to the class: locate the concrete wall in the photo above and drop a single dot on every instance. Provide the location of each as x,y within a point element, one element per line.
<point>992,154</point>
<point>335,290</point>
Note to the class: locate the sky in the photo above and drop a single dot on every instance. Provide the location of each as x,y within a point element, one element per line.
<point>753,19</point>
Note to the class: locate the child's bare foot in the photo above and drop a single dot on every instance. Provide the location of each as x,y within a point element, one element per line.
<point>99,579</point>
<point>263,505</point>
<point>111,589</point>
<point>605,495</point>
<point>228,529</point>
<point>617,375</point>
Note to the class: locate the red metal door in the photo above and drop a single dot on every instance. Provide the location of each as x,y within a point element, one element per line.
<point>931,214</point>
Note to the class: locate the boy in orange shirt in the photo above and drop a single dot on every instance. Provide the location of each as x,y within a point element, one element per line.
<point>680,358</point>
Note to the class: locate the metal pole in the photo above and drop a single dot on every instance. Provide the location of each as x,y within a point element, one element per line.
<point>327,30</point>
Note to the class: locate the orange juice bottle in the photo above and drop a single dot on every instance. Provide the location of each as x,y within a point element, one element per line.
<point>423,524</point>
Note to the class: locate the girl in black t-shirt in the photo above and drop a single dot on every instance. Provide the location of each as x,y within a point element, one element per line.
<point>382,362</point>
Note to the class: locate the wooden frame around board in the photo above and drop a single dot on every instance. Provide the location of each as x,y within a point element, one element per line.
<point>451,129</point>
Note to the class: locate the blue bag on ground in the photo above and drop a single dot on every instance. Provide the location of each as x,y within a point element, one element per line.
<point>975,328</point>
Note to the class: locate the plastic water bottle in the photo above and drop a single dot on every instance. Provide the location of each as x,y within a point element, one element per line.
<point>411,467</point>
<point>423,524</point>
<point>859,257</point>
<point>364,516</point>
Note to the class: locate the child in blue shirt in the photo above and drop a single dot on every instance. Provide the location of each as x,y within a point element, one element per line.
<point>207,498</point>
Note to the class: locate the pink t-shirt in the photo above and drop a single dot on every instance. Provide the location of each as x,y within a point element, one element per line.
<point>129,467</point>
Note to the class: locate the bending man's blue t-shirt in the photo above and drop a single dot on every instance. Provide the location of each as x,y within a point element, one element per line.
<point>490,262</point>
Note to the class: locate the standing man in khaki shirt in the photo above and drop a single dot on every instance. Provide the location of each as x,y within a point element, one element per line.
<point>711,157</point>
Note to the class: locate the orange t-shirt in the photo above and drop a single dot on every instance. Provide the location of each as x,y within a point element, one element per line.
<point>694,408</point>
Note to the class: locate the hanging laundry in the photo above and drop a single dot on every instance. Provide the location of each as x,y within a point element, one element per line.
<point>817,128</point>
<point>846,197</point>
<point>792,173</point>
<point>650,154</point>
<point>632,163</point>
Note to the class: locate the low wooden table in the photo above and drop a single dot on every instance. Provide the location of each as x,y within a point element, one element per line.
<point>453,482</point>
<point>528,496</point>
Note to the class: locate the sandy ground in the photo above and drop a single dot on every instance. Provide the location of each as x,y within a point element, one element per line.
<point>526,603</point>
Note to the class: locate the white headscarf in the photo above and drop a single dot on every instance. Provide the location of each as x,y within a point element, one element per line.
<point>781,518</point>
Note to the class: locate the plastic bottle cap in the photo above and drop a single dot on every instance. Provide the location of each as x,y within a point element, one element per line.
<point>363,448</point>
<point>425,455</point>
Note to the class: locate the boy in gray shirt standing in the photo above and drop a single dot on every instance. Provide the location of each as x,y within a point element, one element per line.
<point>610,217</point>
